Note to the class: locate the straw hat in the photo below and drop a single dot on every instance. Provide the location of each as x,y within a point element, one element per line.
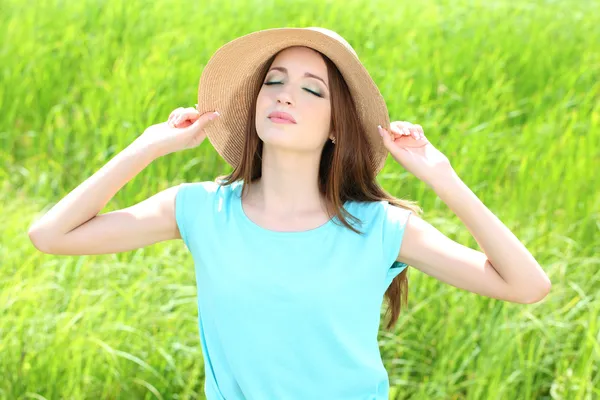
<point>228,84</point>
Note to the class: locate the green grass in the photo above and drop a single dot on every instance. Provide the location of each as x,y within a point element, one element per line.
<point>509,91</point>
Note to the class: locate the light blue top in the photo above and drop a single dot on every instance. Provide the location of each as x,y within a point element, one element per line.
<point>289,315</point>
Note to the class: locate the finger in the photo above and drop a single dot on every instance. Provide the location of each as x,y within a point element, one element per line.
<point>187,115</point>
<point>171,120</point>
<point>173,116</point>
<point>184,123</point>
<point>410,130</point>
<point>203,120</point>
<point>419,129</point>
<point>175,111</point>
<point>403,128</point>
<point>415,130</point>
<point>385,135</point>
<point>396,127</point>
<point>188,110</point>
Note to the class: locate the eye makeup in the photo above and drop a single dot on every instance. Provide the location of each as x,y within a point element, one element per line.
<point>308,90</point>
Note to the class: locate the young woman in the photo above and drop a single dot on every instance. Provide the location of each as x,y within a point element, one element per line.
<point>294,250</point>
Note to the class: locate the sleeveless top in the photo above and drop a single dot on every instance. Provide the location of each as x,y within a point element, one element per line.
<point>289,315</point>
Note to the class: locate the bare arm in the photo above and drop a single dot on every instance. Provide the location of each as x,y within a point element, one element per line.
<point>73,226</point>
<point>506,271</point>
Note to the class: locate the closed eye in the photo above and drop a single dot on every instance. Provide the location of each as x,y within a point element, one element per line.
<point>279,83</point>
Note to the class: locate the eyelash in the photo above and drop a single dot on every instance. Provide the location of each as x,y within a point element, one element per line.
<point>309,91</point>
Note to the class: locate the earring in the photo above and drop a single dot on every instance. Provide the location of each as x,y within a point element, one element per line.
<point>333,140</point>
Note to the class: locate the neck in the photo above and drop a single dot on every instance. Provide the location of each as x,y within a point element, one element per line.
<point>289,183</point>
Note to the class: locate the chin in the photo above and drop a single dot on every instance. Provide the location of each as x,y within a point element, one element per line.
<point>274,136</point>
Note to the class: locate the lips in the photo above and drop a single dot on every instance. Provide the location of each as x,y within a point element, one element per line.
<point>279,115</point>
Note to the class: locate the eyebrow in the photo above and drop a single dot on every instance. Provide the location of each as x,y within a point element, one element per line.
<point>308,74</point>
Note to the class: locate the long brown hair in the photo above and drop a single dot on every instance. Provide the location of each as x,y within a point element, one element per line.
<point>344,173</point>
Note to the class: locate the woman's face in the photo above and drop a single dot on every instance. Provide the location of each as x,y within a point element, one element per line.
<point>305,98</point>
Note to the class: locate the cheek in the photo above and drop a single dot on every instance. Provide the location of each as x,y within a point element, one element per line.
<point>262,108</point>
<point>324,119</point>
<point>260,102</point>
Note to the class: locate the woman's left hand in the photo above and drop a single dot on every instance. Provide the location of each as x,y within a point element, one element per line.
<point>410,148</point>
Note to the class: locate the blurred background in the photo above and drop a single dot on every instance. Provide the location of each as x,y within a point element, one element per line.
<point>508,90</point>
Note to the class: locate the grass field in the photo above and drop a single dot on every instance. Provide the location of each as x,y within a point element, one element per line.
<point>508,90</point>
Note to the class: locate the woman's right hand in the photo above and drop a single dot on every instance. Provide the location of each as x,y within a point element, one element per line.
<point>184,129</point>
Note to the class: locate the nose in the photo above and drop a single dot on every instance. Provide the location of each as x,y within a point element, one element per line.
<point>284,97</point>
